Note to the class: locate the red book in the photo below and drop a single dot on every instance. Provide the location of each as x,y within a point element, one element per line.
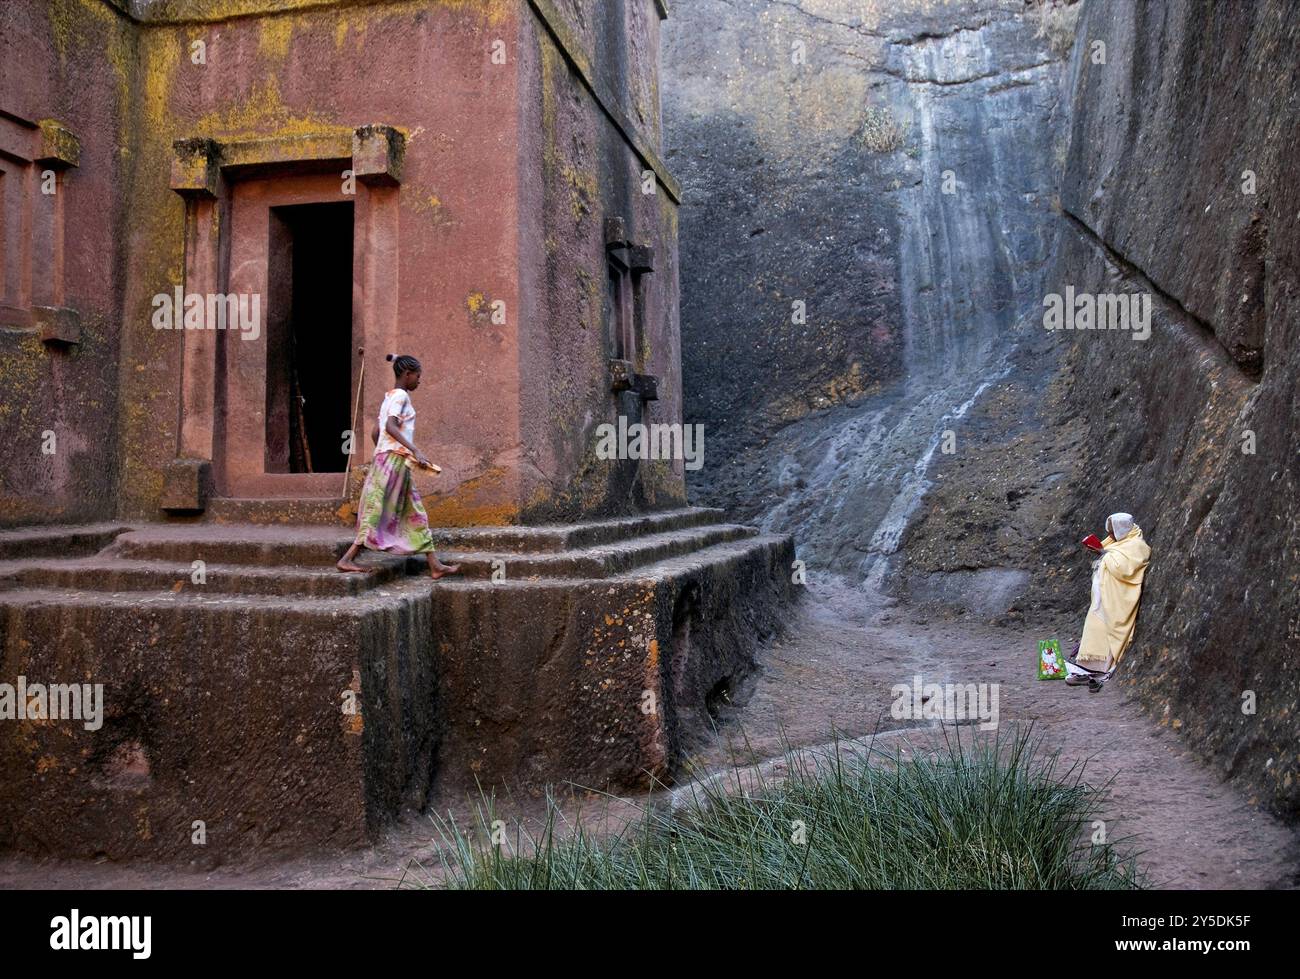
<point>1093,543</point>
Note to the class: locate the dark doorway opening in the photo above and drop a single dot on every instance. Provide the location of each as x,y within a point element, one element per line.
<point>309,338</point>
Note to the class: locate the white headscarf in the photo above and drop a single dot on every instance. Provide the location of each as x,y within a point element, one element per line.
<point>1119,525</point>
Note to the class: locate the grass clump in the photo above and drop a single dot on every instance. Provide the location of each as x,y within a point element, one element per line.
<point>996,816</point>
<point>881,132</point>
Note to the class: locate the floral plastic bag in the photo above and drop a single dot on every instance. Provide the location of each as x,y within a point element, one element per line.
<point>1051,662</point>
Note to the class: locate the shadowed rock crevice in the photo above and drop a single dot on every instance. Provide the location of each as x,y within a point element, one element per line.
<point>1249,362</point>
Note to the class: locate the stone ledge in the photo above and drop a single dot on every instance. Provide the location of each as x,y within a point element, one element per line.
<point>641,258</point>
<point>58,325</point>
<point>59,147</point>
<point>17,319</point>
<point>194,171</point>
<point>624,377</point>
<point>377,154</point>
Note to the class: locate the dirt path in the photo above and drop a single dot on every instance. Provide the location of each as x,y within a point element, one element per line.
<point>836,670</point>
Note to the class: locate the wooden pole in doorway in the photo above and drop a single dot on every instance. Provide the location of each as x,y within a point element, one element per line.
<point>361,377</point>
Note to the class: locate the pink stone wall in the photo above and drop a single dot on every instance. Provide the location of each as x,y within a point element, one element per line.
<point>72,63</point>
<point>486,260</point>
<point>439,249</point>
<point>574,157</point>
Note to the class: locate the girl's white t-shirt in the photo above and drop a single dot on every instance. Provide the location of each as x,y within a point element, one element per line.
<point>397,404</point>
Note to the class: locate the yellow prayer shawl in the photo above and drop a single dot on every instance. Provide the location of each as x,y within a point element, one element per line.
<point>1116,588</point>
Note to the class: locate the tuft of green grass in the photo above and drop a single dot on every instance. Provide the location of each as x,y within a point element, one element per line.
<point>998,815</point>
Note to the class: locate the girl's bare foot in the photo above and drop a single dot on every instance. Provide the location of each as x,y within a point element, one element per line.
<point>346,565</point>
<point>438,570</point>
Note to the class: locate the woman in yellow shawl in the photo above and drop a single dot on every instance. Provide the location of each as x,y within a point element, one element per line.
<point>1112,615</point>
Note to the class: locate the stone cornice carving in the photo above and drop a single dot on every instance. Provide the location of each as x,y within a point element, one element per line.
<point>375,153</point>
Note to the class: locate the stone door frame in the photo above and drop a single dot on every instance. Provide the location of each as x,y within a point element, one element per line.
<point>205,173</point>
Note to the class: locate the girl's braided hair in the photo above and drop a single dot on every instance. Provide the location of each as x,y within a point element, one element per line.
<point>404,363</point>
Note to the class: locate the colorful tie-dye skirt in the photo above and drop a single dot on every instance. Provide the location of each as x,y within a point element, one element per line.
<point>390,516</point>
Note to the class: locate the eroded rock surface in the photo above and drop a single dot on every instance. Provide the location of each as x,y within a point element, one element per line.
<point>1161,170</point>
<point>888,166</point>
<point>1197,429</point>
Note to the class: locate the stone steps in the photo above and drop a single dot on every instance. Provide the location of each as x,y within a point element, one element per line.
<point>56,540</point>
<point>125,582</point>
<point>726,552</point>
<point>277,510</point>
<point>292,707</point>
<point>607,531</point>
<point>109,574</point>
<point>383,584</point>
<point>297,561</point>
<point>194,597</point>
<point>311,546</point>
<point>301,546</point>
<point>592,562</point>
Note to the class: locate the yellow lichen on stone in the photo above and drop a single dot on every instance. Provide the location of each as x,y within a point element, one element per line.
<point>274,35</point>
<point>62,15</point>
<point>583,189</point>
<point>110,37</point>
<point>263,113</point>
<point>159,55</point>
<point>494,12</point>
<point>461,509</point>
<point>551,61</point>
<point>429,205</point>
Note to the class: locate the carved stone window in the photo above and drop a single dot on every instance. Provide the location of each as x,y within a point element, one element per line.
<point>628,264</point>
<point>34,158</point>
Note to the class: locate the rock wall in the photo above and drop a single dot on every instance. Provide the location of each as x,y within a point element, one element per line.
<point>889,167</point>
<point>584,172</point>
<point>1196,430</point>
<point>1103,146</point>
<point>1192,430</point>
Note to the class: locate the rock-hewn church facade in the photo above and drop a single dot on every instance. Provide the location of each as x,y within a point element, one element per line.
<point>216,218</point>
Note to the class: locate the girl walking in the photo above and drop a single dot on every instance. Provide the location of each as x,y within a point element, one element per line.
<point>390,516</point>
